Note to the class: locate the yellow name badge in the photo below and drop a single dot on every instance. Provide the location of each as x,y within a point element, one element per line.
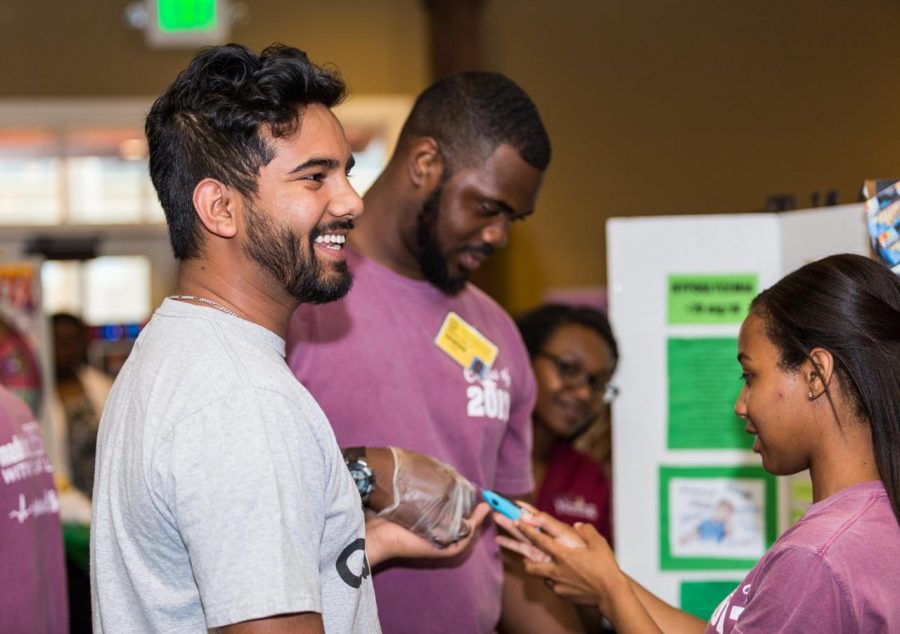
<point>465,345</point>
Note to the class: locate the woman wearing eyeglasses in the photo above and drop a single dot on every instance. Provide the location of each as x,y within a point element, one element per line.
<point>574,354</point>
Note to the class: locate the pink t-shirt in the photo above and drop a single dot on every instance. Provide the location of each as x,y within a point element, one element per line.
<point>32,565</point>
<point>836,570</point>
<point>575,489</point>
<point>371,362</point>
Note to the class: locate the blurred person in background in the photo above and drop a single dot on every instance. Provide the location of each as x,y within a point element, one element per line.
<point>75,412</point>
<point>33,597</point>
<point>574,356</point>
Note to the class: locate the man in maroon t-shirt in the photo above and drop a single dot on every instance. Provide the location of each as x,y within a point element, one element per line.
<point>32,564</point>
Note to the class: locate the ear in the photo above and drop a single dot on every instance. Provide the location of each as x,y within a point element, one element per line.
<point>818,371</point>
<point>215,204</point>
<point>424,163</point>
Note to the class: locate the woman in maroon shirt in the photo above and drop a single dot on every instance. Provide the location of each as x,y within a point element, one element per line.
<point>574,354</point>
<point>819,355</point>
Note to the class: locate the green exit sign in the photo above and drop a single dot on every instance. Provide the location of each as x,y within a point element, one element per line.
<point>185,16</point>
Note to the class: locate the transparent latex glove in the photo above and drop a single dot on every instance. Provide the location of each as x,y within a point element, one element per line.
<point>430,498</point>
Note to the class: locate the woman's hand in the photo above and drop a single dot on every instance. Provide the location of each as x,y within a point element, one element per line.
<point>578,564</point>
<point>561,532</point>
<point>576,561</point>
<point>586,570</point>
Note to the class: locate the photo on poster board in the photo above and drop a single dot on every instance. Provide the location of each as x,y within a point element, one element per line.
<point>710,299</point>
<point>703,384</point>
<point>715,518</point>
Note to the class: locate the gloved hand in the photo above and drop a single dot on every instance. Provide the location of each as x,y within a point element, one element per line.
<point>430,498</point>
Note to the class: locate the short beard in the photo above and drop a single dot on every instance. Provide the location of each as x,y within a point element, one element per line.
<point>299,272</point>
<point>433,265</point>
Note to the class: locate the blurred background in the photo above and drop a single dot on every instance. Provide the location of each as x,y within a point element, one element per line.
<point>654,107</point>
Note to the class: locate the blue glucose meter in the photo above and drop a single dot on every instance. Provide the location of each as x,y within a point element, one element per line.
<point>501,504</point>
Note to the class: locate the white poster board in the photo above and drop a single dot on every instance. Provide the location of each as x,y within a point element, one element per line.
<point>690,501</point>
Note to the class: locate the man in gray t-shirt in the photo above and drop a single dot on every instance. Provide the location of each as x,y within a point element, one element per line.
<point>221,499</point>
<point>222,495</point>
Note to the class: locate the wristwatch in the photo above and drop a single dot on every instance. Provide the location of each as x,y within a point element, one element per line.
<point>360,471</point>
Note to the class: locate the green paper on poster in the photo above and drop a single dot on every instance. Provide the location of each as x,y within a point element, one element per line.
<point>703,386</point>
<point>701,598</point>
<point>710,299</point>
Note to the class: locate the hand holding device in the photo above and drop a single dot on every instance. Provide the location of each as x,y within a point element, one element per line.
<point>511,513</point>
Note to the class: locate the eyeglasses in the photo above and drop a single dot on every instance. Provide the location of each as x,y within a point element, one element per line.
<point>574,375</point>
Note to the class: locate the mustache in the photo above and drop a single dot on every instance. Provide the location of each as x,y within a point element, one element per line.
<point>337,225</point>
<point>484,249</point>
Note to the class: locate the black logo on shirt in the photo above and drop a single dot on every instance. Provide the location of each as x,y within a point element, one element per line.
<point>343,564</point>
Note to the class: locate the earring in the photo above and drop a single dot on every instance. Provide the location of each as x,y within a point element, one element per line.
<point>810,395</point>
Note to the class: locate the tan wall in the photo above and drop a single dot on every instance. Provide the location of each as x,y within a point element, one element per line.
<point>687,106</point>
<point>663,106</point>
<point>80,47</point>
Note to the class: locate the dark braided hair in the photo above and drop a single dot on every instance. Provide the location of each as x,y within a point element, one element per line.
<point>471,114</point>
<point>207,125</point>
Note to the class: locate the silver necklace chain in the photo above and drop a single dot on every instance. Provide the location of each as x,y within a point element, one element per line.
<point>203,300</point>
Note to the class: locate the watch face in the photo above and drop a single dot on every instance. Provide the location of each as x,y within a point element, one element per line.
<point>362,476</point>
<point>361,480</point>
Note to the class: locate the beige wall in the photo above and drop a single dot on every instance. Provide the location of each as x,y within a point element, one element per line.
<point>663,106</point>
<point>690,106</point>
<point>80,47</point>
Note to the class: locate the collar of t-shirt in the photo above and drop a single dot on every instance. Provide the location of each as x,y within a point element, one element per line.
<point>255,333</point>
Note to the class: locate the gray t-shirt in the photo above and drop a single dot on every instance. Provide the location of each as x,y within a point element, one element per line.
<point>220,492</point>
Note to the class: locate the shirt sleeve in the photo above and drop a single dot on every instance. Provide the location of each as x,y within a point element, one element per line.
<point>797,592</point>
<point>250,518</point>
<point>514,474</point>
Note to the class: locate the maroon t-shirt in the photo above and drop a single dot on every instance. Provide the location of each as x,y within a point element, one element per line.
<point>575,489</point>
<point>836,570</point>
<point>372,362</point>
<point>32,565</point>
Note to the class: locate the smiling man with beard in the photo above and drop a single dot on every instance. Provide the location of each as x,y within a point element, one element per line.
<point>221,499</point>
<point>415,356</point>
<point>292,261</point>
